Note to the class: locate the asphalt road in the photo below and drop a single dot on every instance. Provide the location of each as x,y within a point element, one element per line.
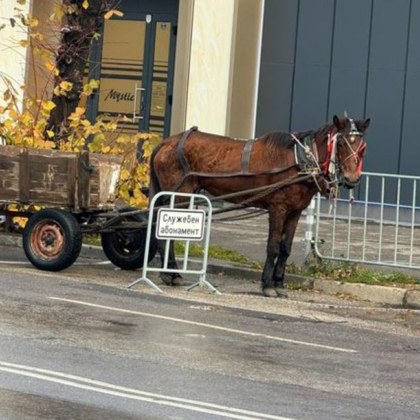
<point>77,344</point>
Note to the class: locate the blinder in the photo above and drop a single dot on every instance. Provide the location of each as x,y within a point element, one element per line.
<point>348,139</point>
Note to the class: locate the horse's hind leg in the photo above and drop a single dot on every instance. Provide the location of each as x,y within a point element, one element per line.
<point>285,248</point>
<point>172,278</point>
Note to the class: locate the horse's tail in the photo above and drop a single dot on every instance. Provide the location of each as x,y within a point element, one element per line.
<point>154,187</point>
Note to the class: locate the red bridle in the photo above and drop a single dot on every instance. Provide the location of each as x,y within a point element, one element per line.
<point>329,165</point>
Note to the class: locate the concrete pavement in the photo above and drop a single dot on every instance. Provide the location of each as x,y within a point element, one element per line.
<point>249,239</point>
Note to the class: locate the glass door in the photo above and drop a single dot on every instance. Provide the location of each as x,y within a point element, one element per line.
<point>135,65</point>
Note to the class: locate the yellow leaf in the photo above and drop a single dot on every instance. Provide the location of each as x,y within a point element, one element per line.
<point>57,91</point>
<point>24,43</point>
<point>49,65</point>
<point>50,133</point>
<point>125,174</point>
<point>80,110</point>
<point>66,86</point>
<point>26,118</point>
<point>94,84</point>
<point>33,22</point>
<point>48,105</point>
<point>85,4</point>
<point>58,13</point>
<point>112,12</point>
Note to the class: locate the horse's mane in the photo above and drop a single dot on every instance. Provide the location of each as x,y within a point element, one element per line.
<point>285,140</point>
<point>282,140</point>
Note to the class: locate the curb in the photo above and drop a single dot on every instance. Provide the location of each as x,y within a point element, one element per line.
<point>392,296</point>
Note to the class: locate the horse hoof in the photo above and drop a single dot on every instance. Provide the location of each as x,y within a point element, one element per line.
<point>171,279</point>
<point>177,280</point>
<point>270,292</point>
<point>281,292</point>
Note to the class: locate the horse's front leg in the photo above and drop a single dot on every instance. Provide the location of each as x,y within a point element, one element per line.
<point>285,248</point>
<point>276,218</point>
<point>170,278</point>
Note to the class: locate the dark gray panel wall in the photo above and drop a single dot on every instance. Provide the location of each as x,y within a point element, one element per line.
<point>386,84</point>
<point>350,55</point>
<point>312,69</point>
<point>321,57</point>
<point>410,144</point>
<point>277,64</point>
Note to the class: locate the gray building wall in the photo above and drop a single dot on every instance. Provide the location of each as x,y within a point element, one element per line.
<point>322,57</point>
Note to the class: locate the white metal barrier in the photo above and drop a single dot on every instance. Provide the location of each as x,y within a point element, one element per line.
<point>381,226</point>
<point>179,220</point>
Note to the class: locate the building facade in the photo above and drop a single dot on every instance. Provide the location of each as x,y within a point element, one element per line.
<point>246,67</point>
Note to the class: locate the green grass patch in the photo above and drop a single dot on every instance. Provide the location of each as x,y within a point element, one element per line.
<point>92,239</point>
<point>352,273</point>
<point>216,252</point>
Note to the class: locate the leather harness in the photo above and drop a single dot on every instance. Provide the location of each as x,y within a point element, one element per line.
<point>246,153</point>
<point>302,160</point>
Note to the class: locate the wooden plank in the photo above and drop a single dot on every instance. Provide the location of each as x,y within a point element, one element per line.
<point>104,179</point>
<point>9,173</point>
<point>57,178</point>
<point>83,174</point>
<point>24,177</point>
<point>48,170</point>
<point>71,183</point>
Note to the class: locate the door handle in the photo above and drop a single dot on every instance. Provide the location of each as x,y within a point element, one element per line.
<point>137,90</point>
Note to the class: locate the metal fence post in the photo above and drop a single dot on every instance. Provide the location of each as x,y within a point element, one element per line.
<point>309,232</point>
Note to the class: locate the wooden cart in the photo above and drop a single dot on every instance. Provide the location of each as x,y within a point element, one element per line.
<point>77,193</point>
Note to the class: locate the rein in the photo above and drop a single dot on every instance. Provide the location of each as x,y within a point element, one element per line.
<point>260,191</point>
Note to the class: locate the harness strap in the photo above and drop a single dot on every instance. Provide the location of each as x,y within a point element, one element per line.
<point>246,154</point>
<point>180,150</point>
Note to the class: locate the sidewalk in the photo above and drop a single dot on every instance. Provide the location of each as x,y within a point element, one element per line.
<point>248,237</point>
<point>250,241</point>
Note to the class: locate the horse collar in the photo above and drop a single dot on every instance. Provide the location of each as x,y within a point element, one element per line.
<point>306,154</point>
<point>180,150</point>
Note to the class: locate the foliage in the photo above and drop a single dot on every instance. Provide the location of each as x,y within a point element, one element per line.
<point>351,273</point>
<point>26,124</point>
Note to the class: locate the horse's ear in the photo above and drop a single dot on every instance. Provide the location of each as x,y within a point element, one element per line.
<point>363,125</point>
<point>339,124</point>
<point>366,123</point>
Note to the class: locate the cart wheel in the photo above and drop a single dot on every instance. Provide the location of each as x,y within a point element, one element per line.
<point>126,248</point>
<point>52,239</point>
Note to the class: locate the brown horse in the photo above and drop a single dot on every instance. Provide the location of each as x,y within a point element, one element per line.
<point>279,172</point>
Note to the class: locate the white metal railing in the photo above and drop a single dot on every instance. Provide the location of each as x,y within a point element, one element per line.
<point>381,226</point>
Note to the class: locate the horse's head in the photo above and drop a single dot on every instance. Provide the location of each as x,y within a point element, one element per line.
<point>346,147</point>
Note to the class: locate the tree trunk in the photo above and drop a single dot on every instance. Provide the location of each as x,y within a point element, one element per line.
<point>76,35</point>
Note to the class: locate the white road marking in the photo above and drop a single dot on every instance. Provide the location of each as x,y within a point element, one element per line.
<point>131,393</point>
<point>201,324</point>
<point>15,262</point>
